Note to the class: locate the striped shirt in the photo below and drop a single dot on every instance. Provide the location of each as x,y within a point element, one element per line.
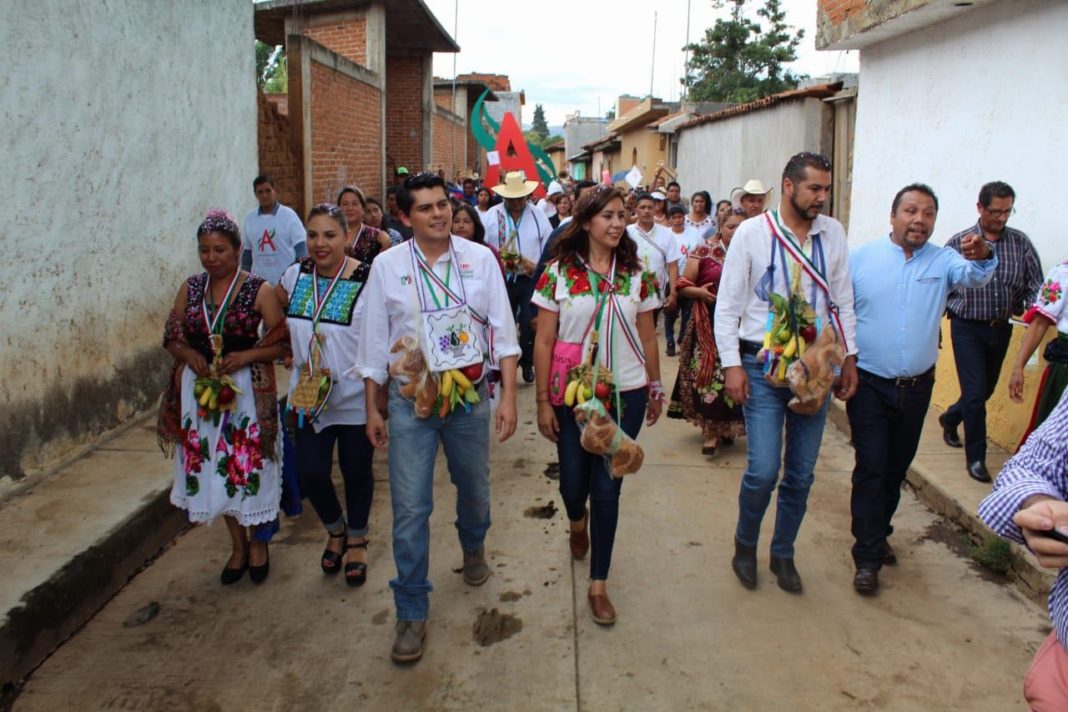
<point>1014,286</point>
<point>1039,468</point>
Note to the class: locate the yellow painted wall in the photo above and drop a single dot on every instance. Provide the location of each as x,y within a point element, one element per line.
<point>647,144</point>
<point>1005,420</point>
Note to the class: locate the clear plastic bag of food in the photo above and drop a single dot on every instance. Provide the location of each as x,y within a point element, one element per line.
<point>601,435</point>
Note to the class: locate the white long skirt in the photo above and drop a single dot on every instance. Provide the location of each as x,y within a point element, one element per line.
<point>220,470</point>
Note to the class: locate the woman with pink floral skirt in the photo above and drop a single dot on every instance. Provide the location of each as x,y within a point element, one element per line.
<point>220,413</point>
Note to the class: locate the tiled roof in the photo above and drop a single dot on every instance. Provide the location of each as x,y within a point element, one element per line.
<point>817,91</point>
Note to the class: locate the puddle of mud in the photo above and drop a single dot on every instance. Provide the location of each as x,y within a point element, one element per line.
<point>492,626</point>
<point>552,471</point>
<point>509,596</point>
<point>547,511</point>
<point>380,617</point>
<point>960,543</point>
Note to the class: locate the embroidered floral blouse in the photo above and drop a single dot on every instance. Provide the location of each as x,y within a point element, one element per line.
<point>366,245</point>
<point>567,290</point>
<point>240,325</point>
<point>1050,302</point>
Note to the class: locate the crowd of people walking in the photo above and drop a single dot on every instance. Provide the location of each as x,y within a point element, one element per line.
<point>409,322</point>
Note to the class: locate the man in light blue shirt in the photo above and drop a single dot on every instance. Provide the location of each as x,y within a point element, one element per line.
<point>900,286</point>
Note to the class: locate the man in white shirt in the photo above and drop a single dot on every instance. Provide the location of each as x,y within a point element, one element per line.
<point>659,252</point>
<point>399,288</point>
<point>688,240</point>
<point>762,256</point>
<point>272,237</point>
<point>519,231</point>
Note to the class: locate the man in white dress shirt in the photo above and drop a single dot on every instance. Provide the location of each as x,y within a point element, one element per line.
<point>519,231</point>
<point>395,304</point>
<point>759,263</point>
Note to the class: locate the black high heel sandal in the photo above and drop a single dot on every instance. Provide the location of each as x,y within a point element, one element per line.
<point>356,571</point>
<point>333,558</point>
<point>258,574</point>
<point>231,576</point>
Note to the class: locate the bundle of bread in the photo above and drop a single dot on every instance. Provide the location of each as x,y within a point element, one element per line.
<point>810,377</point>
<point>411,366</point>
<point>602,436</point>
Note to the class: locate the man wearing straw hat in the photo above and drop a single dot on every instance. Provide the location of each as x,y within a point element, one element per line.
<point>519,231</point>
<point>751,197</point>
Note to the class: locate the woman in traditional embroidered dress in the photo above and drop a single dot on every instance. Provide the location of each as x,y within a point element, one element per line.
<point>229,453</point>
<point>364,241</point>
<point>321,296</point>
<point>698,395</point>
<point>699,218</point>
<point>589,256</point>
<point>1048,310</point>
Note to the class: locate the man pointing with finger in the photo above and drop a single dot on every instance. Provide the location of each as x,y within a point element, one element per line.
<point>766,252</point>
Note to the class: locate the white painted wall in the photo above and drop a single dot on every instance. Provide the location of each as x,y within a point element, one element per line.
<point>977,98</point>
<point>721,155</point>
<point>120,125</point>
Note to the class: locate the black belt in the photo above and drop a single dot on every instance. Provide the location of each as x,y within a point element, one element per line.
<point>903,382</point>
<point>749,348</point>
<point>984,322</point>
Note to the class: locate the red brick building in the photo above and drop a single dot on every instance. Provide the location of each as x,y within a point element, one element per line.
<point>455,150</point>
<point>361,100</point>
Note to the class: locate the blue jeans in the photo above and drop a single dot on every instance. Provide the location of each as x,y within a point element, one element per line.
<point>413,447</point>
<point>765,412</point>
<point>315,459</point>
<point>584,475</point>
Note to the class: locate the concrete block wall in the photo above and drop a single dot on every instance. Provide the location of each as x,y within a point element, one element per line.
<point>345,134</point>
<point>118,157</point>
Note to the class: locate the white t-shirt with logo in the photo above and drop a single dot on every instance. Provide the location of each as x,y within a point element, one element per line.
<point>272,238</point>
<point>688,240</point>
<point>656,249</point>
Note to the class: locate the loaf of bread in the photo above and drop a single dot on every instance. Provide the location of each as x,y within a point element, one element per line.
<point>629,458</point>
<point>810,377</point>
<point>598,434</point>
<point>411,367</point>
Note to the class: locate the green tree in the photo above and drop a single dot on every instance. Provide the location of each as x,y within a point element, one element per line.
<point>271,70</point>
<point>539,125</point>
<point>610,114</point>
<point>741,59</point>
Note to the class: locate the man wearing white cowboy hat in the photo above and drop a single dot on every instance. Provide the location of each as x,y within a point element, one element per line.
<point>751,197</point>
<point>519,231</point>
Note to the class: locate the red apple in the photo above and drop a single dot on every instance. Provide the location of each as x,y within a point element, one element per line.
<point>808,333</point>
<point>226,395</point>
<point>473,372</point>
<point>602,391</point>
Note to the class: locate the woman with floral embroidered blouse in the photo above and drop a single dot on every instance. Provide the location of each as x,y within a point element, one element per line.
<point>221,410</point>
<point>1048,310</point>
<point>596,271</point>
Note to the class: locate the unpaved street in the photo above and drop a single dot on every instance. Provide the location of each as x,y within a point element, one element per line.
<point>938,635</point>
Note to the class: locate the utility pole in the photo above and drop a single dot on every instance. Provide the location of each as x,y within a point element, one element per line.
<point>686,57</point>
<point>455,29</point>
<point>652,67</point>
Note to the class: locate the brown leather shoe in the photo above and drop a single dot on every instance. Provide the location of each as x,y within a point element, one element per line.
<point>580,540</point>
<point>601,607</point>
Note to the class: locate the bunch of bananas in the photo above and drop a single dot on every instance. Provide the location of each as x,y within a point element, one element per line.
<point>580,387</point>
<point>215,395</point>
<point>786,338</point>
<point>456,391</point>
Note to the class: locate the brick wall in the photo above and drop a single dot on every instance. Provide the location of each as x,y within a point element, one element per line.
<point>276,155</point>
<point>345,134</point>
<point>347,37</point>
<point>496,82</point>
<point>448,135</point>
<point>404,109</point>
<point>280,101</point>
<point>836,11</point>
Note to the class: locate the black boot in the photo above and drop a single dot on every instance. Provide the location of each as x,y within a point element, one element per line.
<point>786,572</point>
<point>744,564</point>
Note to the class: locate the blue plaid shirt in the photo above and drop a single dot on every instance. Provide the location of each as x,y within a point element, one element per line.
<point>1015,283</point>
<point>1039,468</point>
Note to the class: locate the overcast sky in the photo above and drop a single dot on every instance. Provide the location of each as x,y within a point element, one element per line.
<point>581,54</point>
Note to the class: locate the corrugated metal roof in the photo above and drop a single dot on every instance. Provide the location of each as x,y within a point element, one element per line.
<point>817,91</point>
